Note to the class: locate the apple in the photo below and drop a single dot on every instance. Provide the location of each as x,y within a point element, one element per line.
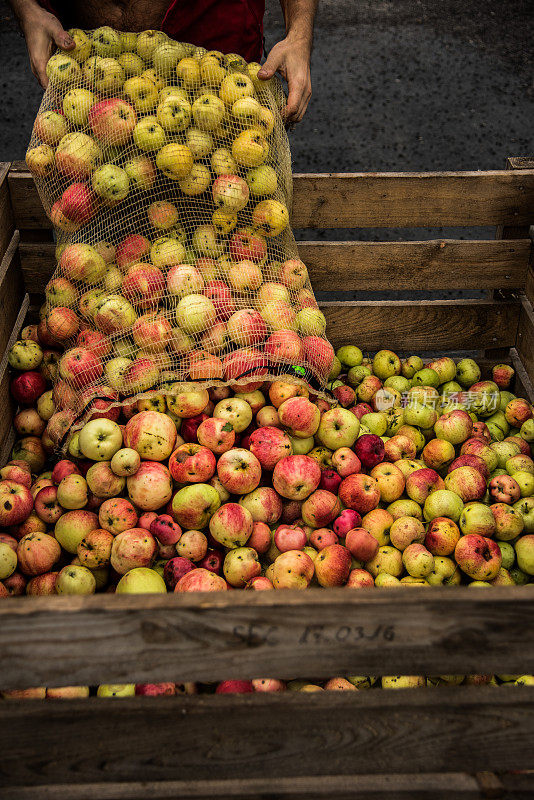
<point>438,454</point>
<point>361,544</point>
<point>81,262</point>
<point>387,560</point>
<point>391,481</point>
<point>230,192</point>
<point>201,580</point>
<point>132,548</point>
<point>370,450</point>
<point>100,439</point>
<point>417,560</point>
<point>117,515</point>
<point>150,487</point>
<point>73,526</point>
<point>151,434</point>
<point>27,387</point>
<point>50,127</point>
<point>443,503</point>
<point>195,313</point>
<point>338,428</point>
<point>94,550</point>
<point>141,580</point>
<point>386,364</point>
<point>174,160</point>
<point>74,579</point>
<point>239,470</point>
<point>188,400</point>
<point>524,549</point>
<point>37,553</point>
<point>72,492</point>
<point>192,463</point>
<point>16,502</point>
<point>77,156</point>
<point>240,566</point>
<point>247,327</point>
<point>247,244</point>
<point>479,557</point>
<point>509,521</point>
<point>193,506</point>
<point>320,509</point>
<point>296,476</point>
<point>454,426</point>
<point>292,570</point>
<point>504,489</point>
<point>359,492</point>
<point>399,447</point>
<point>467,482</point>
<point>102,482</point>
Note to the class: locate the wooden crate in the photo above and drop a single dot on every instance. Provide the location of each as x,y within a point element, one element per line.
<point>376,744</point>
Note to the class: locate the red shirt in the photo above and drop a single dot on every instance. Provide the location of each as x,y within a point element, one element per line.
<point>231,26</point>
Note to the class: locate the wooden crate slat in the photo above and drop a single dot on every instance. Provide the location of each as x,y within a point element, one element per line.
<point>7,226</point>
<point>411,325</point>
<point>431,786</point>
<point>525,336</point>
<point>7,404</point>
<point>357,266</point>
<point>283,735</point>
<point>56,641</point>
<point>389,200</point>
<point>430,265</point>
<point>523,386</point>
<point>11,290</point>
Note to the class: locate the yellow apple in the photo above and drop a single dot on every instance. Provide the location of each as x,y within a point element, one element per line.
<point>61,69</point>
<point>250,149</point>
<point>197,181</point>
<point>174,114</point>
<point>199,142</point>
<point>208,112</point>
<point>76,105</point>
<point>82,51</point>
<point>131,63</point>
<point>128,41</point>
<point>148,135</point>
<point>174,160</point>
<point>148,41</point>
<point>106,42</point>
<point>223,162</point>
<point>103,74</point>
<point>212,69</point>
<point>142,93</point>
<point>188,71</point>
<point>271,217</point>
<point>262,180</point>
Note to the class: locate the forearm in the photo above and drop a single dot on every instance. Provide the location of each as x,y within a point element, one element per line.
<point>299,17</point>
<point>43,32</point>
<point>24,10</point>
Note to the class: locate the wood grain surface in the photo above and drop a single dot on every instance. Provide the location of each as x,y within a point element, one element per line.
<point>57,641</point>
<point>257,736</point>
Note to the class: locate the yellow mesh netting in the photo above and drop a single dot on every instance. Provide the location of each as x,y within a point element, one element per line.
<point>166,172</point>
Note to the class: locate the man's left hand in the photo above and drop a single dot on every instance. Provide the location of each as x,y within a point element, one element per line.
<point>291,58</point>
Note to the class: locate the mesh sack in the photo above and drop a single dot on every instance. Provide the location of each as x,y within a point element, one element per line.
<point>166,172</point>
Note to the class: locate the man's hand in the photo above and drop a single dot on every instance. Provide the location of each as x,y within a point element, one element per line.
<point>292,60</point>
<point>43,32</point>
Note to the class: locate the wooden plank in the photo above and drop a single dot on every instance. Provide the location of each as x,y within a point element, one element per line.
<point>380,266</point>
<point>7,226</point>
<point>11,290</point>
<point>7,404</point>
<point>285,735</point>
<point>523,386</point>
<point>431,786</point>
<point>430,265</point>
<point>518,785</point>
<point>525,337</point>
<point>57,641</point>
<point>395,199</point>
<point>410,325</point>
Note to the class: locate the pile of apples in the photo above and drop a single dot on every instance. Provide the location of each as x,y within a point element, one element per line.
<point>164,169</point>
<point>420,475</point>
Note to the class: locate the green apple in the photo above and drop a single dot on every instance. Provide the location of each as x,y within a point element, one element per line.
<point>376,421</point>
<point>174,114</point>
<point>111,183</point>
<point>131,63</point>
<point>106,42</point>
<point>526,482</point>
<point>508,554</point>
<point>386,363</point>
<point>262,181</point>
<point>74,579</point>
<point>467,372</point>
<point>411,365</point>
<point>356,374</point>
<point>116,690</point>
<point>426,377</point>
<point>419,415</point>
<point>141,580</point>
<point>302,446</point>
<point>524,551</point>
<point>350,356</point>
<point>450,387</point>
<point>397,382</point>
<point>199,142</point>
<point>148,135</point>
<point>504,399</point>
<point>338,428</point>
<point>527,430</point>
<point>100,439</point>
<point>443,503</point>
<point>335,369</point>
<point>520,578</point>
<point>166,56</point>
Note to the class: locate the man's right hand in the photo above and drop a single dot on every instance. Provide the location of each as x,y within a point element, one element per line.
<point>43,32</point>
